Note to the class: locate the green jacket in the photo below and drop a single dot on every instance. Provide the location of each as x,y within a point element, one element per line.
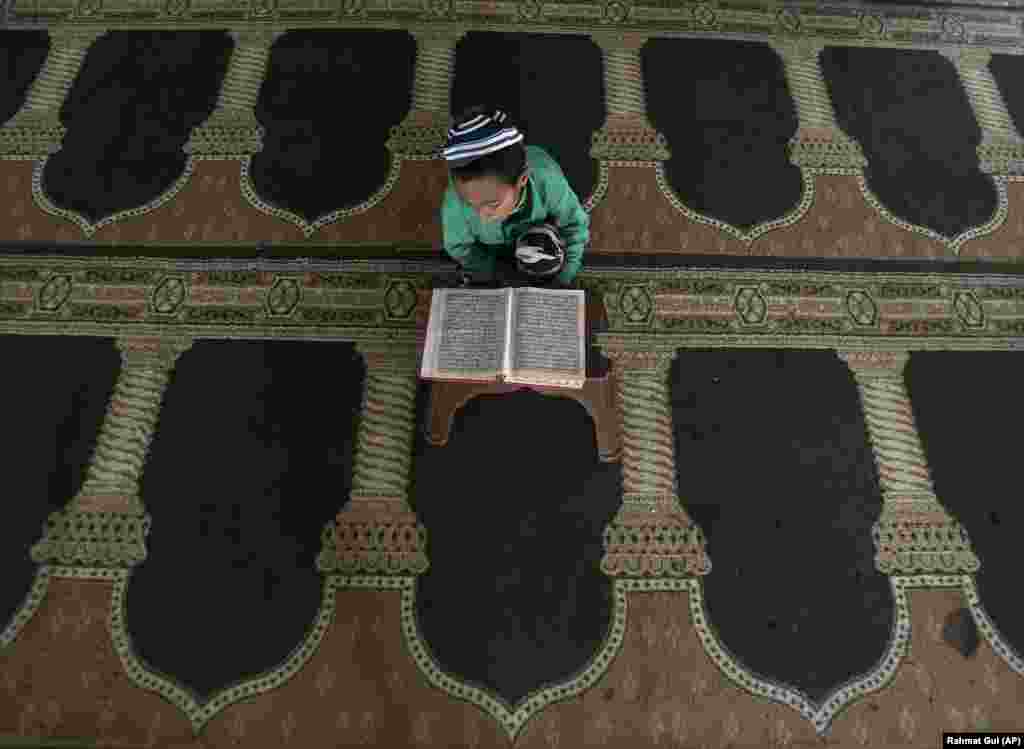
<point>476,244</point>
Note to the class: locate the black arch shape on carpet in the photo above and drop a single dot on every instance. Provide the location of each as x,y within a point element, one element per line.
<point>327,104</point>
<point>252,458</point>
<point>22,54</point>
<point>727,115</point>
<point>890,100</point>
<point>775,466</point>
<point>53,398</point>
<point>128,114</point>
<point>514,507</point>
<point>968,408</point>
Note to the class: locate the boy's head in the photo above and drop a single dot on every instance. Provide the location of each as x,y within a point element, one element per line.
<point>488,161</point>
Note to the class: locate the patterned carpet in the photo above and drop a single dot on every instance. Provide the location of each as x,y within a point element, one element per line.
<point>508,588</point>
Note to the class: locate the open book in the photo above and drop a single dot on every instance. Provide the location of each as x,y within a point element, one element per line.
<point>516,335</point>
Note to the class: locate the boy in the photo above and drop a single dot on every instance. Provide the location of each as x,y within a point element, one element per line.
<point>509,214</point>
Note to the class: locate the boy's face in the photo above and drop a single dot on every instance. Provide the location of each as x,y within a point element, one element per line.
<point>492,200</point>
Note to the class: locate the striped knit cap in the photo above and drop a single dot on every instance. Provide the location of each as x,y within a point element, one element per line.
<point>479,136</point>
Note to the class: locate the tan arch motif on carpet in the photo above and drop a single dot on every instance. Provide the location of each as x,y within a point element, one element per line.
<point>795,215</point>
<point>952,244</point>
<point>513,718</point>
<point>43,202</point>
<point>198,714</point>
<point>821,715</point>
<point>340,214</point>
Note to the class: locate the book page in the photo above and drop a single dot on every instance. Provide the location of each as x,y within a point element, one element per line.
<point>548,340</point>
<point>466,334</point>
<point>506,361</point>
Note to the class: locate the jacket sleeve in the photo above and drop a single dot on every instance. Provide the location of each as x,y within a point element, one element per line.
<point>459,241</point>
<point>573,223</point>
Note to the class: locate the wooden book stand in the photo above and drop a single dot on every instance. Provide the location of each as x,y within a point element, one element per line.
<point>597,396</point>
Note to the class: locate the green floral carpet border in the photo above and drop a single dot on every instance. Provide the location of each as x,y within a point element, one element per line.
<point>385,300</point>
<point>863,24</point>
